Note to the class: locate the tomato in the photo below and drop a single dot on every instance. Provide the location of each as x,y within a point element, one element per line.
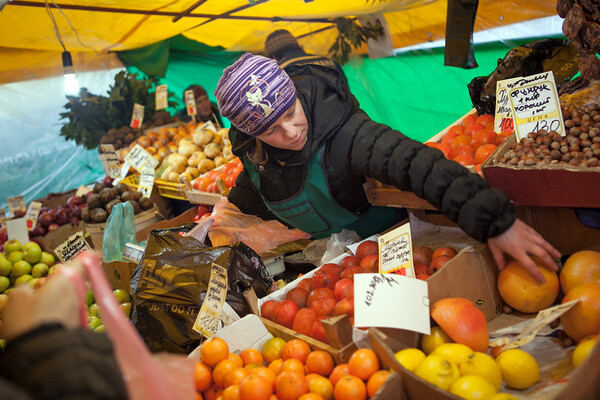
<point>230,180</point>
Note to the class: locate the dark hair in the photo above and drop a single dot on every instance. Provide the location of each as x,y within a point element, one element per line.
<point>199,91</point>
<point>255,150</point>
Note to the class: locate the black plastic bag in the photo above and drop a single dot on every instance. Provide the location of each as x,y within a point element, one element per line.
<point>556,55</point>
<point>170,283</point>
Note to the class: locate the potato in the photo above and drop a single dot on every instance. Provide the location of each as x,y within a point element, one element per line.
<point>217,139</point>
<point>187,149</point>
<point>206,165</point>
<point>212,150</point>
<point>203,137</point>
<point>175,157</point>
<point>173,177</point>
<point>165,175</point>
<point>179,166</point>
<point>185,175</point>
<point>219,160</point>
<point>228,153</point>
<point>192,171</point>
<point>196,158</point>
<point>224,132</point>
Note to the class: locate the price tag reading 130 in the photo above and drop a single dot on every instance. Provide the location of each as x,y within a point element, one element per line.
<point>210,312</point>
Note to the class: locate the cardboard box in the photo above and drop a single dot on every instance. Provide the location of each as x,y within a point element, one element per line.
<point>547,186</point>
<point>119,273</point>
<point>183,218</point>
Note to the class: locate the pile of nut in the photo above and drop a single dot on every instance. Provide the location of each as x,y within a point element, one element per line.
<point>580,147</point>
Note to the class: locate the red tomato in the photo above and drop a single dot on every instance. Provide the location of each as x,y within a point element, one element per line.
<point>230,180</point>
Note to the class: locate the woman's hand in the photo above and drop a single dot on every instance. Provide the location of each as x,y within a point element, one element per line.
<point>55,302</point>
<point>520,241</point>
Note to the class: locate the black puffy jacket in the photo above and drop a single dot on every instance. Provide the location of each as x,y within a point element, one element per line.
<point>357,147</point>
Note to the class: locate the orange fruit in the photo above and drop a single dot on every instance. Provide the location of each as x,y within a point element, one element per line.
<point>252,366</point>
<point>321,385</point>
<point>296,348</point>
<point>438,262</point>
<point>310,396</point>
<point>267,374</point>
<point>251,356</point>
<point>202,376</point>
<point>272,348</point>
<point>290,385</point>
<point>469,119</point>
<point>319,362</point>
<point>584,318</point>
<point>213,392</point>
<point>376,381</point>
<point>462,321</point>
<point>255,387</point>
<point>350,387</point>
<point>363,363</point>
<point>213,351</point>
<point>522,292</point>
<point>339,371</point>
<point>443,251</point>
<point>484,152</point>
<point>461,140</point>
<point>292,365</point>
<point>275,365</point>
<point>231,392</point>
<point>235,376</point>
<point>199,396</point>
<point>581,267</point>
<point>236,359</point>
<point>221,370</point>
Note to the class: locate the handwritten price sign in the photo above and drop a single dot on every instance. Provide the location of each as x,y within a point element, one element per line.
<point>210,311</point>
<point>395,252</point>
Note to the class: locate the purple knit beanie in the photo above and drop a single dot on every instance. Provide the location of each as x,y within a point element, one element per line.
<point>253,93</point>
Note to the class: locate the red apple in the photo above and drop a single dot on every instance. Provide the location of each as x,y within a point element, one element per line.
<point>339,287</point>
<point>370,263</point>
<point>344,306</point>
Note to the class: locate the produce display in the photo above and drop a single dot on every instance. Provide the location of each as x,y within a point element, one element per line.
<point>101,200</point>
<point>23,264</point>
<point>286,370</point>
<point>94,321</point>
<point>427,260</point>
<point>160,142</point>
<point>228,173</point>
<point>123,137</point>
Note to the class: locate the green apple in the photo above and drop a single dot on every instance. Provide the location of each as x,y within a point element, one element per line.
<point>48,259</point>
<point>122,295</point>
<point>21,268</point>
<point>9,290</point>
<point>94,322</point>
<point>11,245</point>
<point>15,256</point>
<point>89,298</point>
<point>39,270</point>
<point>51,269</point>
<point>93,310</point>
<point>4,283</point>
<point>99,329</point>
<point>3,300</point>
<point>33,282</point>
<point>5,267</point>
<point>2,255</point>
<point>23,279</point>
<point>32,252</point>
<point>126,307</point>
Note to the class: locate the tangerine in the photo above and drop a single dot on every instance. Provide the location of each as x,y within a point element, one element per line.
<point>310,396</point>
<point>213,392</point>
<point>236,359</point>
<point>444,251</point>
<point>272,348</point>
<point>363,363</point>
<point>267,374</point>
<point>523,292</point>
<point>581,267</point>
<point>255,387</point>
<point>231,392</point>
<point>438,262</point>
<point>251,355</point>
<point>292,365</point>
<point>221,370</point>
<point>202,376</point>
<point>584,318</point>
<point>296,348</point>
<point>350,387</point>
<point>235,376</point>
<point>320,385</point>
<point>338,372</point>
<point>290,385</point>
<point>275,365</point>
<point>376,381</point>
<point>319,362</point>
<point>214,351</point>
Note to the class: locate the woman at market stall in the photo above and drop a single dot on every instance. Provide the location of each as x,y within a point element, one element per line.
<point>307,147</point>
<point>48,355</point>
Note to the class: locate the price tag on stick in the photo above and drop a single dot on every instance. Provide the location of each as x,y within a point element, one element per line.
<point>138,116</point>
<point>33,212</point>
<point>111,164</point>
<point>139,159</point>
<point>16,206</point>
<point>146,181</point>
<point>161,97</point>
<point>210,311</point>
<point>190,102</point>
<point>391,301</point>
<point>17,230</point>
<point>503,117</point>
<point>395,252</point>
<point>74,245</point>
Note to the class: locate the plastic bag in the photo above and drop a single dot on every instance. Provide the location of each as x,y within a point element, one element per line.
<point>230,226</point>
<point>169,285</point>
<point>147,377</point>
<point>321,251</point>
<point>586,97</point>
<point>556,55</point>
<point>119,230</point>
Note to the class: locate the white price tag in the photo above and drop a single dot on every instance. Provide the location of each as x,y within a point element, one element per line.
<point>74,245</point>
<point>17,230</point>
<point>139,159</point>
<point>146,181</point>
<point>535,104</point>
<point>33,212</point>
<point>190,102</point>
<point>503,116</point>
<point>210,311</point>
<point>133,252</point>
<point>395,252</point>
<point>83,190</point>
<point>138,116</point>
<point>208,125</point>
<point>391,301</point>
<point>111,164</point>
<point>161,97</point>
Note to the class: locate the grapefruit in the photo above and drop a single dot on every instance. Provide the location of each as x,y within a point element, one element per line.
<point>581,267</point>
<point>584,318</point>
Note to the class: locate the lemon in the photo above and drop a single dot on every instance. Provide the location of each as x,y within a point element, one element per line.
<point>472,387</point>
<point>438,371</point>
<point>453,352</point>
<point>583,349</point>
<point>410,358</point>
<point>503,396</point>
<point>434,339</point>
<point>482,365</point>
<point>519,369</point>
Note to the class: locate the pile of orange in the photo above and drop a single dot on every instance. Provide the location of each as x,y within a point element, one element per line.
<point>472,141</point>
<point>228,173</point>
<point>286,371</point>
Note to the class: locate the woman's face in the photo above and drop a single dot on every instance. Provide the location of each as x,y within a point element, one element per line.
<point>203,107</point>
<point>289,131</point>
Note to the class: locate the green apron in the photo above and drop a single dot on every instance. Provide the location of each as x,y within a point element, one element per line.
<point>314,211</point>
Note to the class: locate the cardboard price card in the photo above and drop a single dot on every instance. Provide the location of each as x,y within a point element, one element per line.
<point>503,116</point>
<point>33,211</point>
<point>146,181</point>
<point>137,117</point>
<point>208,318</point>
<point>391,301</point>
<point>110,160</point>
<point>74,245</point>
<point>535,104</point>
<point>190,102</point>
<point>395,252</point>
<point>161,97</point>
<point>17,230</point>
<point>208,125</point>
<point>139,159</point>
